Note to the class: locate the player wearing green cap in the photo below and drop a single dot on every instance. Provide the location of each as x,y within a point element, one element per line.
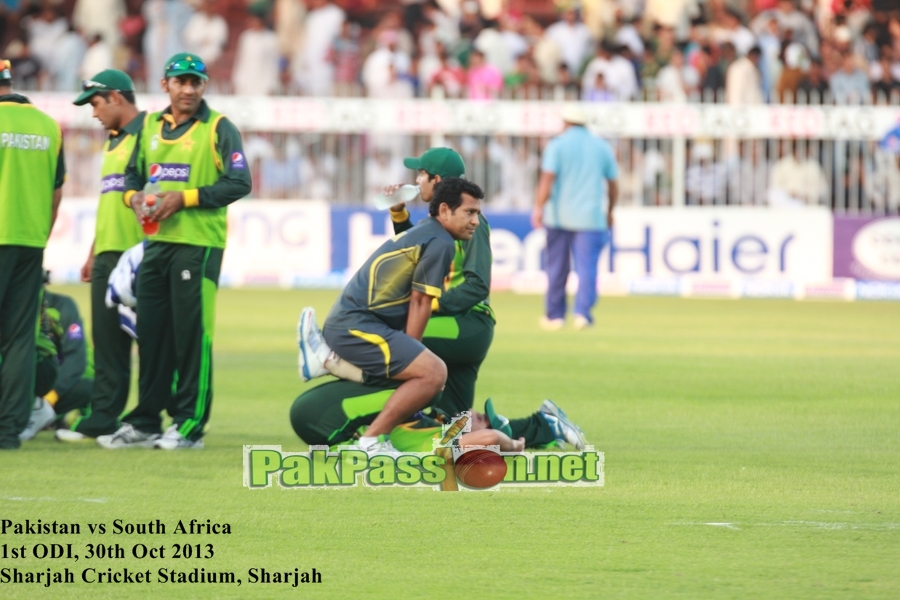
<point>111,95</point>
<point>197,157</point>
<point>32,172</point>
<point>461,328</point>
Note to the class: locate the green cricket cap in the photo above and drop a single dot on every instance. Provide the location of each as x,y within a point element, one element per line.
<point>104,81</point>
<point>438,161</point>
<point>185,63</point>
<point>498,422</point>
<point>5,69</point>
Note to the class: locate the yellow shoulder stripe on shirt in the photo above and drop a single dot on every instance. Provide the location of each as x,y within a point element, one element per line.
<point>212,145</point>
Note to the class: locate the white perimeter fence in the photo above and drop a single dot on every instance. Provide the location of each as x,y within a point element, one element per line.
<point>343,150</point>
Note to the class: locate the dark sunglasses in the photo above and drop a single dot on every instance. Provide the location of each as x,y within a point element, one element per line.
<point>87,84</point>
<point>186,66</point>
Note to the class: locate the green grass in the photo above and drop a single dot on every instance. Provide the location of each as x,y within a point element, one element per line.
<point>778,418</point>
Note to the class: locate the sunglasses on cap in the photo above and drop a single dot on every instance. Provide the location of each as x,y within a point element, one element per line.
<point>193,65</point>
<point>87,84</point>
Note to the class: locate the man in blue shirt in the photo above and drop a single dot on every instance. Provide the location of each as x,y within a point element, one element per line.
<point>576,194</point>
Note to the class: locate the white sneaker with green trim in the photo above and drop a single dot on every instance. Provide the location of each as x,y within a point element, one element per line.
<point>173,440</point>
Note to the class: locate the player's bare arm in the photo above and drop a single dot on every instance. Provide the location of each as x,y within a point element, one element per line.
<point>545,184</point>
<point>419,313</point>
<point>613,192</point>
<point>57,198</point>
<point>492,437</point>
<point>88,268</point>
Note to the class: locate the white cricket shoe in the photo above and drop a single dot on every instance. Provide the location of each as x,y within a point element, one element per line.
<point>173,440</point>
<point>127,437</point>
<point>67,435</point>
<point>42,414</point>
<point>581,322</point>
<point>314,350</point>
<point>564,430</point>
<point>552,324</point>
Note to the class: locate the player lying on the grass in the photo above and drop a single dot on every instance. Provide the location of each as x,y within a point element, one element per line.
<point>461,327</point>
<point>65,370</point>
<point>378,321</point>
<point>334,412</point>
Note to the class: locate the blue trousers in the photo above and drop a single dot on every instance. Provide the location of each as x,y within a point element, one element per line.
<point>585,247</point>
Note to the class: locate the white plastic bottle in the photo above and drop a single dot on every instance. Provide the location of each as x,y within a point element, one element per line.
<point>406,193</point>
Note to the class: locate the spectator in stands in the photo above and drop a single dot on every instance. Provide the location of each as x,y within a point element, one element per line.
<point>598,90</point>
<point>546,53</point>
<point>850,85</point>
<point>98,57</point>
<point>789,19</point>
<point>450,76</point>
<point>524,79</point>
<point>446,28</point>
<point>26,68</point>
<point>381,66</point>
<point>748,177</point>
<point>573,38</point>
<point>730,28</point>
<point>44,31</point>
<point>658,53</point>
<point>288,17</point>
<point>772,58</point>
<point>483,81</point>
<point>796,62</point>
<point>344,57</point>
<point>68,54</point>
<point>743,84</point>
<point>797,179</point>
<point>100,17</point>
<point>671,14</point>
<point>206,32</point>
<point>618,73</point>
<point>279,173</point>
<point>706,178</point>
<point>256,62</point>
<point>491,44</point>
<point>813,87</point>
<point>885,84</point>
<point>677,81</point>
<point>627,34</point>
<point>711,70</point>
<point>312,71</point>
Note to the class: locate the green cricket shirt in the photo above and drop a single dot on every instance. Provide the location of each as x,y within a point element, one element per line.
<point>469,281</point>
<point>202,157</point>
<point>117,229</point>
<point>31,149</point>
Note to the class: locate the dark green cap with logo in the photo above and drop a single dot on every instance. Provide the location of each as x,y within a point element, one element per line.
<point>438,161</point>
<point>185,63</point>
<point>104,81</point>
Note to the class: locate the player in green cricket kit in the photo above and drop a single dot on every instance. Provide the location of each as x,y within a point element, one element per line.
<point>111,95</point>
<point>461,328</point>
<point>197,156</point>
<point>32,173</point>
<point>334,412</point>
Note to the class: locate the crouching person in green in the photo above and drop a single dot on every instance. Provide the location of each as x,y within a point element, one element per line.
<point>334,413</point>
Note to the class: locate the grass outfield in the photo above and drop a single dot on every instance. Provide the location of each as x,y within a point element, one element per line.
<point>752,451</point>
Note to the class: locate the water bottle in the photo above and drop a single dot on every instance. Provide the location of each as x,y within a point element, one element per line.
<point>151,195</point>
<point>406,193</point>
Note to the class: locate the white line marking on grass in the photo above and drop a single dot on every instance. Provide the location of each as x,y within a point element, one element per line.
<point>48,499</point>
<point>725,525</point>
<point>826,525</point>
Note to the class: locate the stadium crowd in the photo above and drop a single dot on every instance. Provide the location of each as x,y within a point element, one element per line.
<point>738,51</point>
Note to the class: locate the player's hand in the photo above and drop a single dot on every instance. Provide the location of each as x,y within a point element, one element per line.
<point>137,202</point>
<point>510,445</point>
<point>537,218</point>
<point>389,190</point>
<point>609,219</point>
<point>169,203</point>
<point>87,269</point>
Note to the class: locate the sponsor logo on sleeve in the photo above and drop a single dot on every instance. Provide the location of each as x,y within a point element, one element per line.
<point>170,172</point>
<point>75,332</point>
<point>237,161</point>
<point>112,183</point>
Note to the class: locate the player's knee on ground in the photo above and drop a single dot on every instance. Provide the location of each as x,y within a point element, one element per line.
<point>435,371</point>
